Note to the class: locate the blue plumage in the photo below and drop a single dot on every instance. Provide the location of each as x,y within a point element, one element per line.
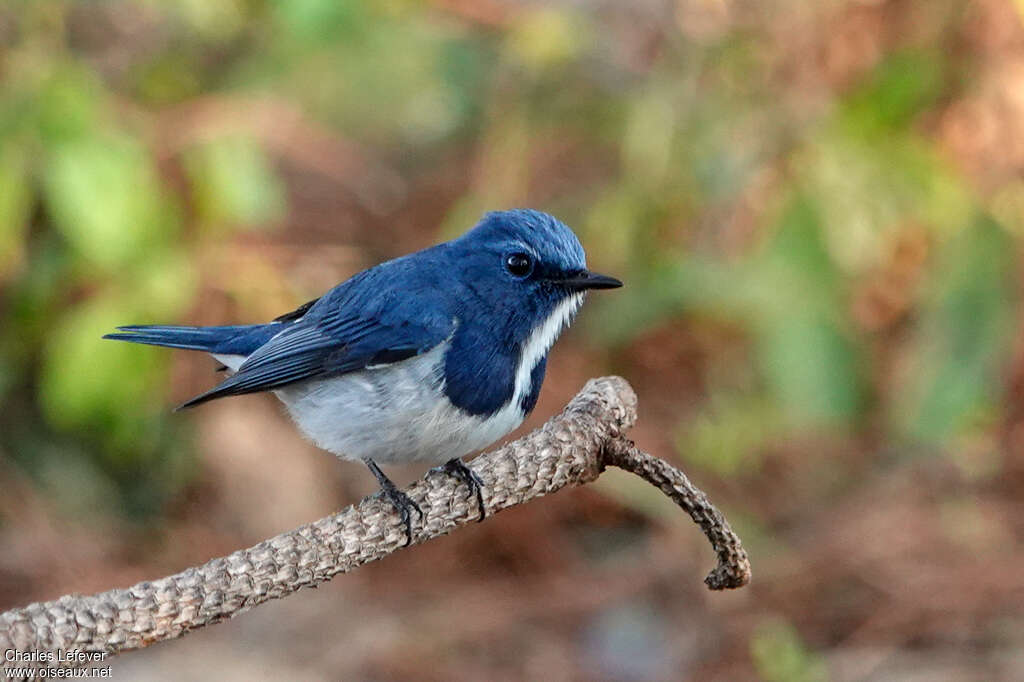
<point>429,356</point>
<point>233,340</point>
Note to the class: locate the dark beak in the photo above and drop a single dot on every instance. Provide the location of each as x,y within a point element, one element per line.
<point>584,280</point>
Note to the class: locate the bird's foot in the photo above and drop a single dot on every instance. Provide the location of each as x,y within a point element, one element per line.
<point>402,504</point>
<point>457,468</point>
<point>398,499</point>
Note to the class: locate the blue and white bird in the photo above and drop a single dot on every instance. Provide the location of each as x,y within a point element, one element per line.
<point>424,358</point>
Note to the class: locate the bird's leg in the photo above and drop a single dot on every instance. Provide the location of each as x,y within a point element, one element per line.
<point>401,502</point>
<point>457,468</point>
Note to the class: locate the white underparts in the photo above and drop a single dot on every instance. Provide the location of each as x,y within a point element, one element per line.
<point>393,414</point>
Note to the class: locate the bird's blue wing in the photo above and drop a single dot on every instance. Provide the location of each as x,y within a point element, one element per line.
<point>332,344</point>
<point>380,316</point>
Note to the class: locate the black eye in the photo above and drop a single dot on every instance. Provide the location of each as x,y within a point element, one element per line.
<point>519,264</point>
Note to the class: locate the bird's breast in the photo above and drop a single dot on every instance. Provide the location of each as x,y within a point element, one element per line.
<point>396,413</point>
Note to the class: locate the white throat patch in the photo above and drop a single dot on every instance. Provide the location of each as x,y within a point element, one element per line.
<point>539,343</point>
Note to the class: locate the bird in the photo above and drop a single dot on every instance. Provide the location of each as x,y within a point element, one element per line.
<point>426,358</point>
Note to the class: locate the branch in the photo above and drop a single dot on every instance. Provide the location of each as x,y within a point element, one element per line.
<point>571,449</point>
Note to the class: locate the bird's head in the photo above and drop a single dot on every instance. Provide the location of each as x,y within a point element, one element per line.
<point>526,263</point>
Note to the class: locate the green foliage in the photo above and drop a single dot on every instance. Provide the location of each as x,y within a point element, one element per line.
<point>961,349</point>
<point>781,656</point>
<point>900,88</point>
<point>67,104</point>
<point>321,22</point>
<point>233,184</point>
<point>421,85</point>
<point>105,247</point>
<point>856,181</point>
<point>725,437</point>
<point>106,200</point>
<point>85,383</point>
<point>15,202</point>
<point>810,362</point>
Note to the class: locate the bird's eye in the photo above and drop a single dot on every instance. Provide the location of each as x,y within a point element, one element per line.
<point>519,264</point>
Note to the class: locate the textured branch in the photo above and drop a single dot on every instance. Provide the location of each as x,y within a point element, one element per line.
<point>733,568</point>
<point>569,450</point>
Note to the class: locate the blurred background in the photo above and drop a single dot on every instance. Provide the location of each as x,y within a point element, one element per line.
<point>818,208</point>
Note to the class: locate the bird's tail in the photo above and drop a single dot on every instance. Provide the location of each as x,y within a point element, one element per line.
<point>234,340</point>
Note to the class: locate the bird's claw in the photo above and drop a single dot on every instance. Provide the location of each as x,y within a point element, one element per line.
<point>457,468</point>
<point>402,504</point>
<point>399,500</point>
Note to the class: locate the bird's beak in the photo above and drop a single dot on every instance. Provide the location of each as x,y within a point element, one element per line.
<point>584,280</point>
